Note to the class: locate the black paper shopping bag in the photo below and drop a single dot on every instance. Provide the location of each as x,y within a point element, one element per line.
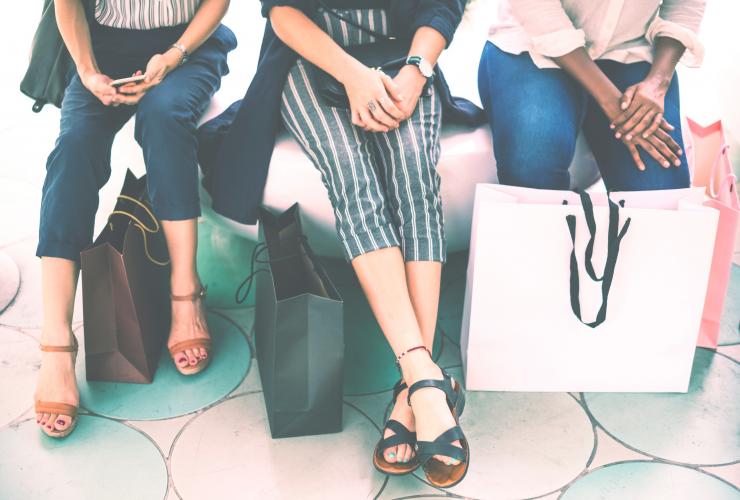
<point>298,331</point>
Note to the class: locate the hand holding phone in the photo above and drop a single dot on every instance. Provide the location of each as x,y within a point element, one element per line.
<point>131,79</point>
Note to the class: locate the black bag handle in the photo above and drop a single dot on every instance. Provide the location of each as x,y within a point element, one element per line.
<point>357,25</point>
<point>615,236</point>
<point>242,291</point>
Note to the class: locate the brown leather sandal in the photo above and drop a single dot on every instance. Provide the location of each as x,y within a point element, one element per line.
<point>56,407</point>
<point>201,343</point>
<point>438,473</point>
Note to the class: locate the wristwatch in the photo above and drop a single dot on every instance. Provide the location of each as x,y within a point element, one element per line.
<point>424,67</point>
<point>181,48</point>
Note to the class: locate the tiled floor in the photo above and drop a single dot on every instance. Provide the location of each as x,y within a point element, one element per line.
<point>207,437</point>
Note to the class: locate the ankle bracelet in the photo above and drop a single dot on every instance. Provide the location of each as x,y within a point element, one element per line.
<point>404,353</point>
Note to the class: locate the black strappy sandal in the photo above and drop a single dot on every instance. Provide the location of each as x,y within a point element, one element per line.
<point>438,473</point>
<point>401,436</point>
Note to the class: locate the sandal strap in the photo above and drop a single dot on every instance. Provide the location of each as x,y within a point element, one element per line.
<point>190,344</point>
<point>426,450</point>
<point>61,348</point>
<point>444,385</point>
<point>58,408</point>
<point>199,295</point>
<point>398,389</point>
<point>402,435</point>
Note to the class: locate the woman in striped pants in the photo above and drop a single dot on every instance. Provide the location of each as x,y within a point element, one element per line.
<point>377,161</point>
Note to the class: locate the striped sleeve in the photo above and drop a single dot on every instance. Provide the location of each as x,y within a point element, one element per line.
<point>144,14</point>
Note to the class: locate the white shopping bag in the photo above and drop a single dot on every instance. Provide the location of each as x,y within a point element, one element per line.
<point>520,331</point>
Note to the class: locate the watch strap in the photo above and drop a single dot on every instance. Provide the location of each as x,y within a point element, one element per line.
<point>181,48</point>
<point>417,61</point>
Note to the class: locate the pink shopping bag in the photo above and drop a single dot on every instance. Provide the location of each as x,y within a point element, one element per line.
<point>712,170</point>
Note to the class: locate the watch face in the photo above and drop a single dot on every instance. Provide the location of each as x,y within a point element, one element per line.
<point>426,68</point>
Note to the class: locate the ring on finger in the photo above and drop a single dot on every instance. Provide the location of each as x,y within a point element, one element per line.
<point>371,105</point>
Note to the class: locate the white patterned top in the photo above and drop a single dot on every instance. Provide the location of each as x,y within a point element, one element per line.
<point>144,14</point>
<point>619,30</point>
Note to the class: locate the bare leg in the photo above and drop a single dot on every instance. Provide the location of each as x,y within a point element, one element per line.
<point>423,282</point>
<point>382,274</point>
<point>188,317</point>
<point>56,381</point>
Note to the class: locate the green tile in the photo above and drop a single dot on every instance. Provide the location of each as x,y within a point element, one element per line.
<point>101,459</point>
<point>452,298</point>
<point>368,359</point>
<point>172,394</point>
<point>729,333</point>
<point>700,427</point>
<point>649,481</point>
<point>223,263</point>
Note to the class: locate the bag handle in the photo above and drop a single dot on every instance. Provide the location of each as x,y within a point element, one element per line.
<point>357,25</point>
<point>137,223</point>
<point>729,179</point>
<point>242,291</point>
<point>240,296</point>
<point>615,236</point>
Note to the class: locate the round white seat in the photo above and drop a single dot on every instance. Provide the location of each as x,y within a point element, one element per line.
<point>466,160</point>
<point>467,155</point>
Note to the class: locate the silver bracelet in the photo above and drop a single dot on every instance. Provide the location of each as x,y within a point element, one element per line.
<point>181,48</point>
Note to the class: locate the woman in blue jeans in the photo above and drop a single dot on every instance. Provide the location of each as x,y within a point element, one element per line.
<point>181,49</point>
<point>552,68</point>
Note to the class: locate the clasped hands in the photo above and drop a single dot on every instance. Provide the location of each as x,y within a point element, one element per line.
<point>637,120</point>
<point>380,103</point>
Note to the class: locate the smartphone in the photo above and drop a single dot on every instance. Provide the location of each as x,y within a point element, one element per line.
<point>130,79</point>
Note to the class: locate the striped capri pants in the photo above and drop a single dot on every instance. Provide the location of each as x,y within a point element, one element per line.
<point>384,187</point>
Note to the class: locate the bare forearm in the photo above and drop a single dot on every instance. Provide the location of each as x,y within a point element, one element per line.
<point>584,70</point>
<point>73,27</point>
<point>302,35</point>
<point>427,43</point>
<point>668,52</point>
<point>204,23</point>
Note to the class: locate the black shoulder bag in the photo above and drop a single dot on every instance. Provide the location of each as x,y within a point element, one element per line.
<point>387,54</point>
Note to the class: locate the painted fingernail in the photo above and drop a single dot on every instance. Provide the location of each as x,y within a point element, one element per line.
<point>629,137</point>
<point>666,164</point>
<point>680,152</point>
<point>677,163</point>
<point>611,126</point>
<point>618,135</point>
<point>644,135</point>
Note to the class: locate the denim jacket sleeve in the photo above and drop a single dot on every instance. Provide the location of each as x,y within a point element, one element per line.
<point>304,5</point>
<point>442,15</point>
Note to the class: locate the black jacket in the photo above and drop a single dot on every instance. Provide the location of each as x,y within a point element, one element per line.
<point>236,146</point>
<point>51,66</point>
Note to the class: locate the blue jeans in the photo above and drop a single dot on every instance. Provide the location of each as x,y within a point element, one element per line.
<point>536,114</point>
<point>166,120</point>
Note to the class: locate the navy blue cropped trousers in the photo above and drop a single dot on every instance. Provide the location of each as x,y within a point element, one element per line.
<point>166,121</point>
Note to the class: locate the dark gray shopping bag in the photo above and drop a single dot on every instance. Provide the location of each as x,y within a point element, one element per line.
<point>298,330</point>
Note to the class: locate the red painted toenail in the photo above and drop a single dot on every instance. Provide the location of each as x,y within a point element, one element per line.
<point>60,422</point>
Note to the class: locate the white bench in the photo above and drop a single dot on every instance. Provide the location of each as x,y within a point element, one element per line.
<point>467,155</point>
<point>467,159</point>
